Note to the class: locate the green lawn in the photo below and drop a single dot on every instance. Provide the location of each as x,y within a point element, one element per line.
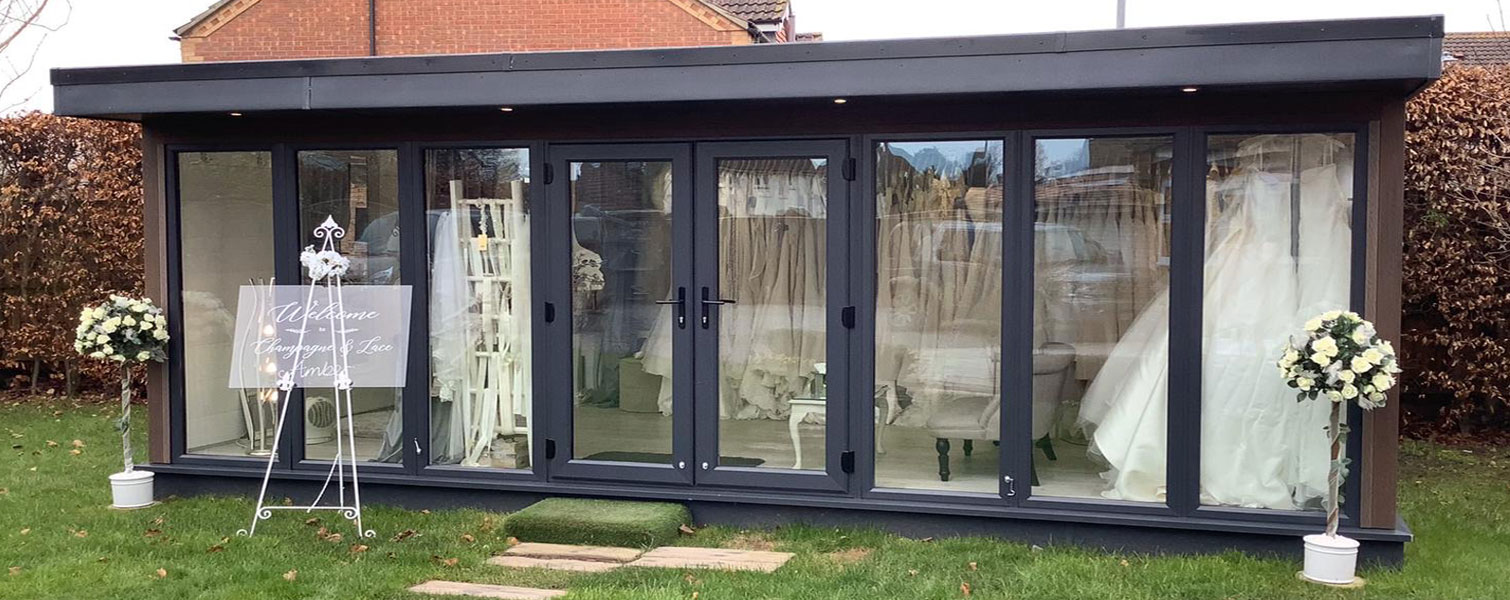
<point>59,540</point>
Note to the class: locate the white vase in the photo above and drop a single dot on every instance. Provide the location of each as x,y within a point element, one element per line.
<point>1330,560</point>
<point>131,490</point>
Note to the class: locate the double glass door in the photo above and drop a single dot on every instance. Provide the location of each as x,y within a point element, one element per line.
<point>702,294</point>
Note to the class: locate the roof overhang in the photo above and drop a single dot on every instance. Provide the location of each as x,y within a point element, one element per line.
<point>1399,55</point>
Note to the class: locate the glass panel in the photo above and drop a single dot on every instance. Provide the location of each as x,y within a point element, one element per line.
<point>938,315</point>
<point>478,216</point>
<point>359,188</point>
<point>1101,316</point>
<point>771,353</point>
<point>225,220</point>
<point>1278,252</point>
<point>621,340</point>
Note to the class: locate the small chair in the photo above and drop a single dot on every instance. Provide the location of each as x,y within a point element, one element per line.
<point>979,417</point>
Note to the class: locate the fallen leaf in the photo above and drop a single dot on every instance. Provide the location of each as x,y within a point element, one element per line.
<point>52,444</point>
<point>102,559</point>
<point>33,469</point>
<point>26,531</point>
<point>75,451</point>
<point>153,533</point>
<point>912,572</point>
<point>162,573</point>
<point>450,562</point>
<point>358,548</point>
<point>4,491</point>
<point>291,575</point>
<point>225,540</point>
<point>81,533</point>
<point>404,535</point>
<point>1123,562</point>
<point>686,530</point>
<point>215,548</point>
<point>424,511</point>
<point>973,566</point>
<point>964,588</point>
<point>158,521</point>
<point>689,579</point>
<point>694,595</point>
<point>512,541</point>
<point>333,538</point>
<point>312,521</point>
<point>15,570</point>
<point>467,537</point>
<point>78,443</point>
<point>926,539</point>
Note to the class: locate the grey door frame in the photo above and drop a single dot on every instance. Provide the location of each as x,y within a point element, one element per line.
<point>555,316</point>
<point>838,457</point>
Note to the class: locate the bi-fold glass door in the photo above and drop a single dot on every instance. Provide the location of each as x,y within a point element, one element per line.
<point>697,314</point>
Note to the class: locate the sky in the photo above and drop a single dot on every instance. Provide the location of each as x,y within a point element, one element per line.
<point>133,32</point>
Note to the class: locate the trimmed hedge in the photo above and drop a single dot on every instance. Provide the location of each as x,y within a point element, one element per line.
<point>598,522</point>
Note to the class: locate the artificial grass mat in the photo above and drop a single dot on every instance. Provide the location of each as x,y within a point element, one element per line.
<point>598,522</point>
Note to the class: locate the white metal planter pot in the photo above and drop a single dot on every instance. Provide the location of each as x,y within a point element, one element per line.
<point>131,489</point>
<point>1332,560</point>
<point>345,457</point>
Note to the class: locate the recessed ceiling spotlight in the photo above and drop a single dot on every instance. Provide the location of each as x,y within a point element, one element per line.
<point>235,114</point>
<point>1190,89</point>
<point>506,108</point>
<point>840,100</point>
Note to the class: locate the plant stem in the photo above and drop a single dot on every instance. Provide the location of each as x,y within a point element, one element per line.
<point>125,425</point>
<point>1334,472</point>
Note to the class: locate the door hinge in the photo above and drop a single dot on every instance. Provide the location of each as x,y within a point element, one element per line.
<point>550,449</point>
<point>550,174</point>
<point>847,461</point>
<point>847,317</point>
<point>849,169</point>
<point>550,312</point>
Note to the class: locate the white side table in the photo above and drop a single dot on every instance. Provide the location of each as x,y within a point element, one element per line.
<point>802,407</point>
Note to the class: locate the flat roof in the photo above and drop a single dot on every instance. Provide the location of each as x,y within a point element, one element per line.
<point>1397,54</point>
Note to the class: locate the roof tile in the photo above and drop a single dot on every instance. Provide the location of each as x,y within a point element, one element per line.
<point>1479,47</point>
<point>758,11</point>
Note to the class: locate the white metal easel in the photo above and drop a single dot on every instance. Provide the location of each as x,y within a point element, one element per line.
<point>330,274</point>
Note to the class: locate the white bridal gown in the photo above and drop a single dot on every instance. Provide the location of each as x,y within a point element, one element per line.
<point>1259,447</point>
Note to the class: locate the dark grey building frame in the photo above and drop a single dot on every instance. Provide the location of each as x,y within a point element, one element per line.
<point>1401,55</point>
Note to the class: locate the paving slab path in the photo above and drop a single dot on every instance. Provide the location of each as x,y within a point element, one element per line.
<point>670,557</point>
<point>484,590</point>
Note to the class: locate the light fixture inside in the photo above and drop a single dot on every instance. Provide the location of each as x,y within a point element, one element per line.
<point>840,100</point>
<point>506,108</point>
<point>1190,89</point>
<point>235,114</point>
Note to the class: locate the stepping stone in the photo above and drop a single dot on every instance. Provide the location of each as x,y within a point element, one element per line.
<point>571,552</point>
<point>712,558</point>
<point>557,564</point>
<point>483,590</point>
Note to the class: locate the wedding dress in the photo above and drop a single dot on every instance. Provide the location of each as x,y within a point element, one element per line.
<point>1259,447</point>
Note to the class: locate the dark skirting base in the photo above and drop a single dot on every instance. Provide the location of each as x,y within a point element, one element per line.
<point>919,524</point>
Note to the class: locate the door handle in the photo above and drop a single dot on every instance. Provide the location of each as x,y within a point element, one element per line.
<point>709,301</point>
<point>681,307</point>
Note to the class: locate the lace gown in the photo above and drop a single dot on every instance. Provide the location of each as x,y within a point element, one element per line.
<point>1259,447</point>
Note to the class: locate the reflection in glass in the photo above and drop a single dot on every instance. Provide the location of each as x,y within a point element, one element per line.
<point>1101,316</point>
<point>938,314</point>
<point>225,218</point>
<point>1278,252</point>
<point>359,189</point>
<point>621,339</point>
<point>478,217</point>
<point>771,353</point>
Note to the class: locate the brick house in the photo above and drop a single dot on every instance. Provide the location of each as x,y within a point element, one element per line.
<point>280,29</point>
<point>1480,48</point>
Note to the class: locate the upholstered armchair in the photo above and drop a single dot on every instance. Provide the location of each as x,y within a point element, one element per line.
<point>977,417</point>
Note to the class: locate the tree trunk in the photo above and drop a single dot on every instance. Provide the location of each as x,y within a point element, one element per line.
<point>125,422</point>
<point>36,373</point>
<point>1334,473</point>
<point>70,379</point>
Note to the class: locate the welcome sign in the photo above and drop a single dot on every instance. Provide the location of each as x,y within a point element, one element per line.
<point>370,323</point>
